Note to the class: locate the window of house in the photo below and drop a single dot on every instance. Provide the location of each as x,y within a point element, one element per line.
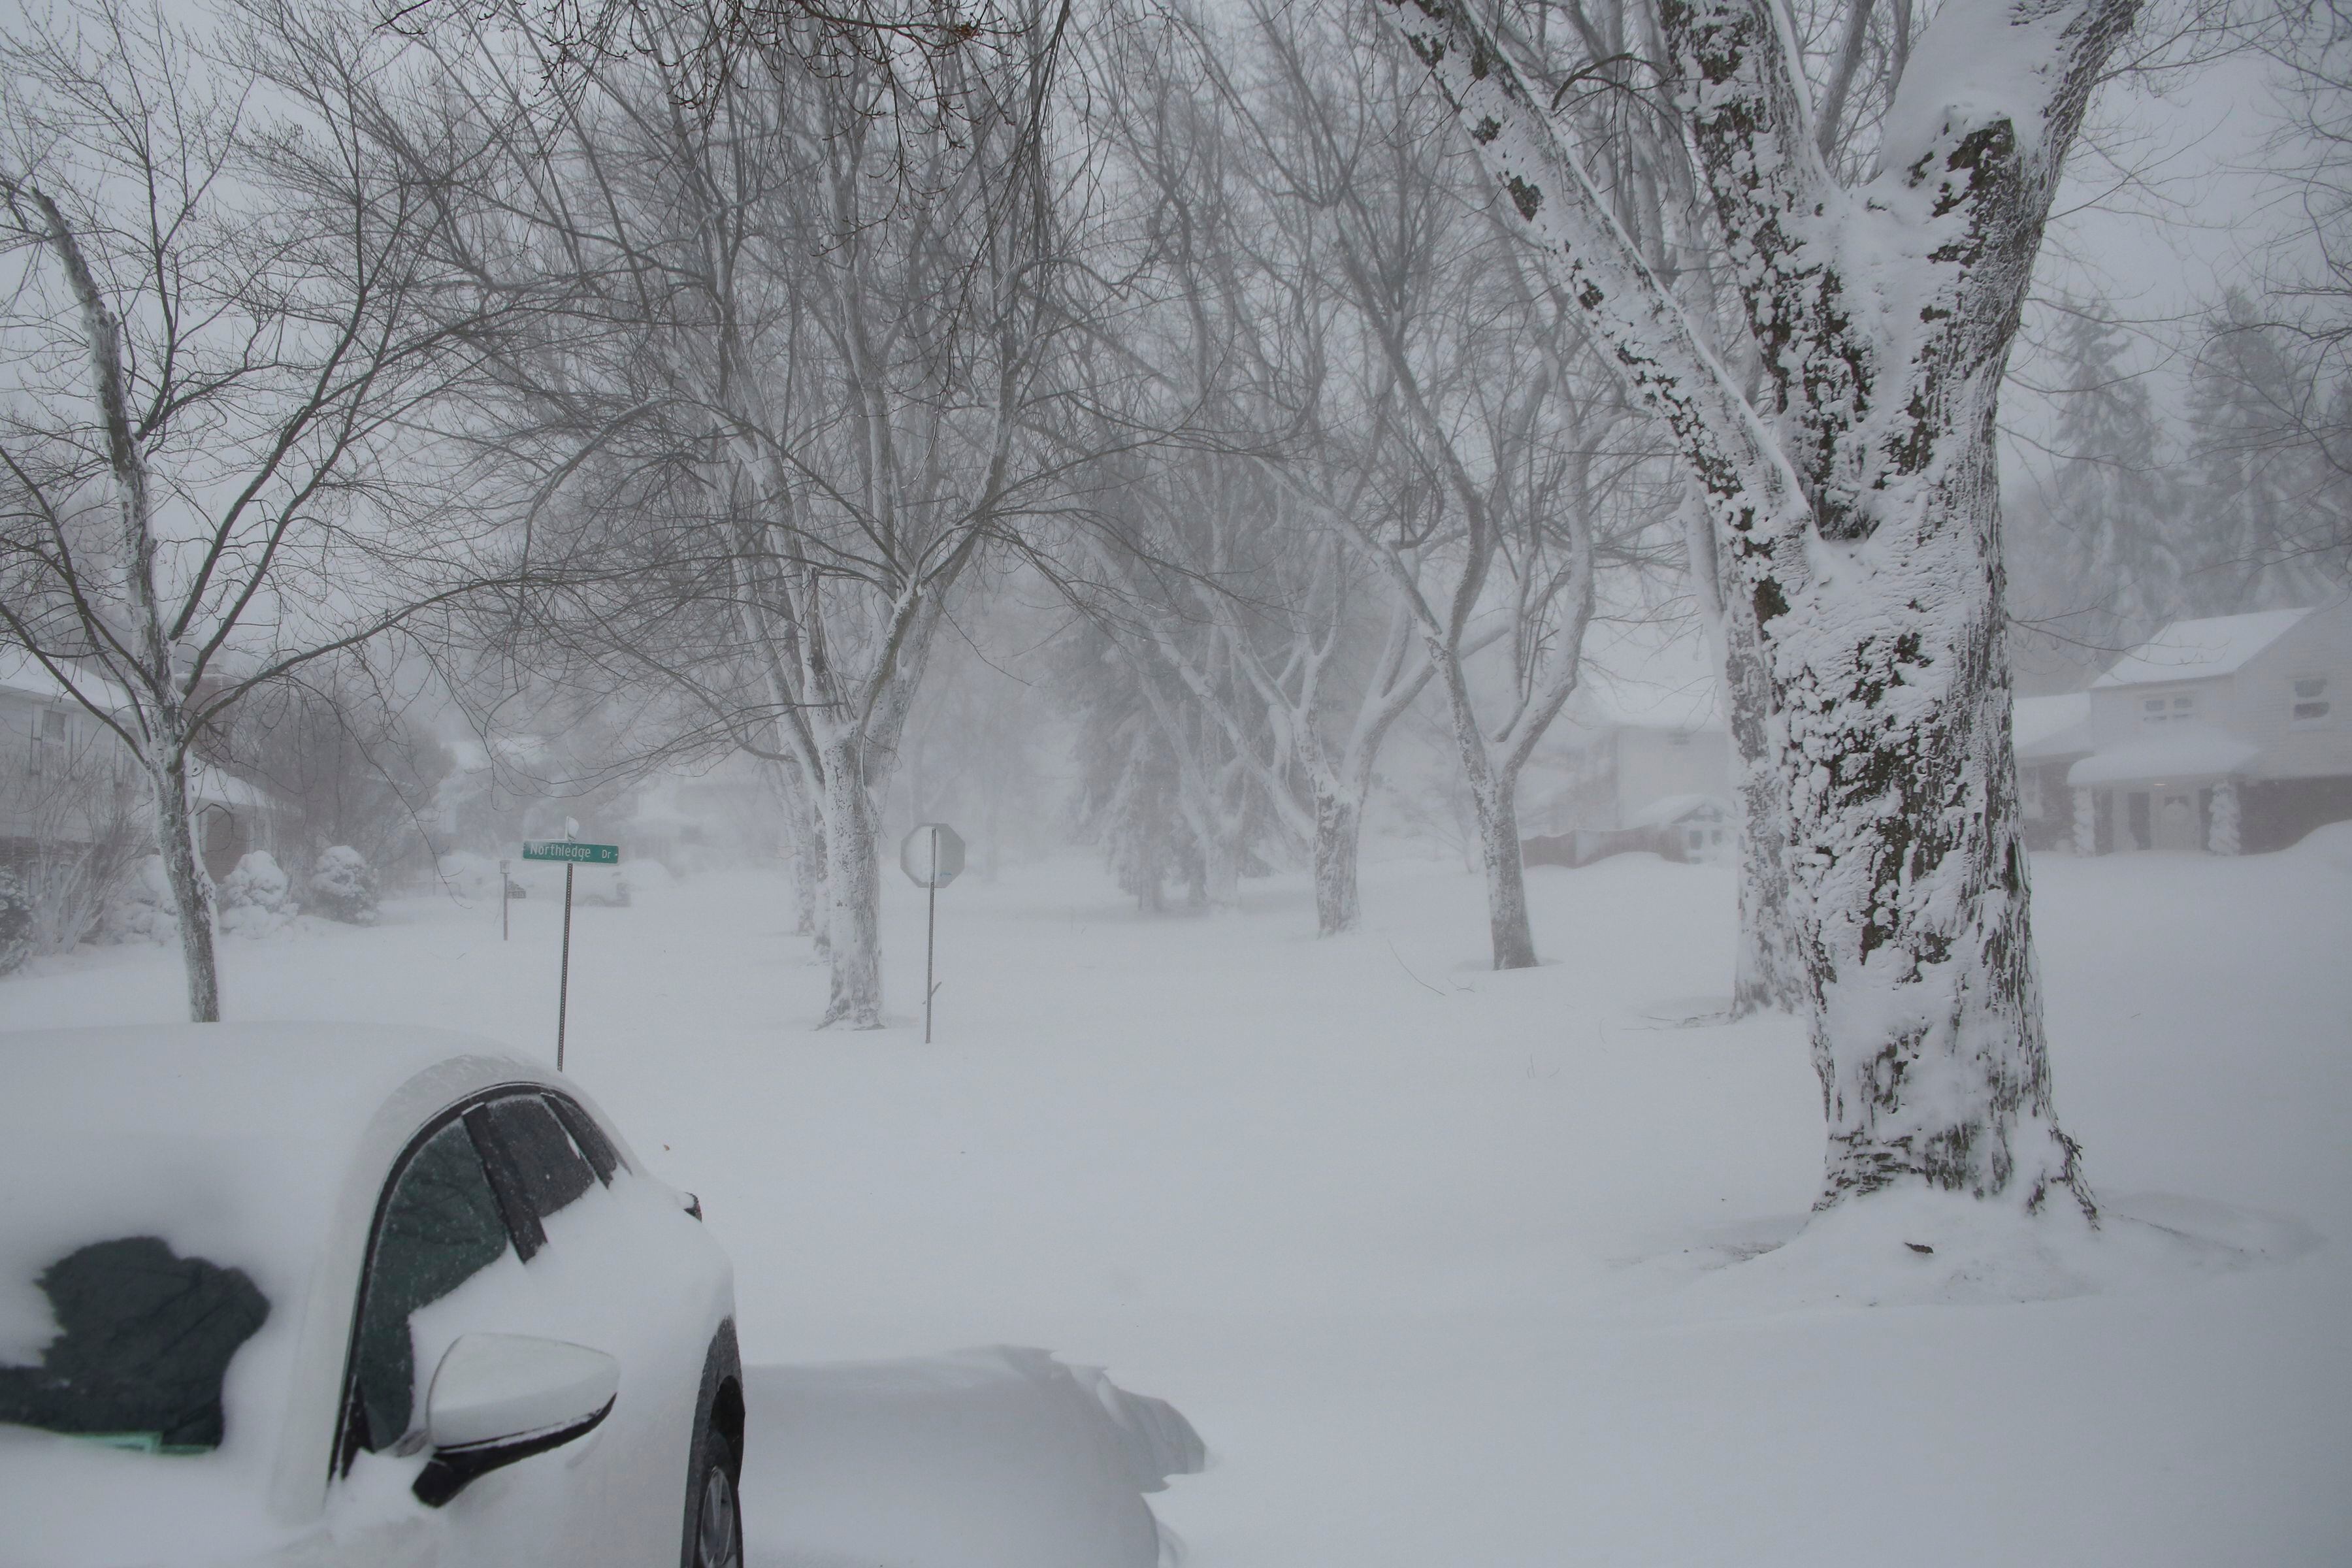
<point>2167,708</point>
<point>49,742</point>
<point>2310,706</point>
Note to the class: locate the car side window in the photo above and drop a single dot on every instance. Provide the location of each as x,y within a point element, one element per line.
<point>551,1172</point>
<point>441,1226</point>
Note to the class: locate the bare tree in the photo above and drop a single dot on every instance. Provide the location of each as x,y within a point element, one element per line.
<point>1531,467</point>
<point>217,326</point>
<point>791,357</point>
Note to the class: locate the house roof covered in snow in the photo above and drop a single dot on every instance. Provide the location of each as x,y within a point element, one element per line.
<point>2200,649</point>
<point>21,672</point>
<point>218,786</point>
<point>2048,728</point>
<point>1669,809</point>
<point>2171,753</point>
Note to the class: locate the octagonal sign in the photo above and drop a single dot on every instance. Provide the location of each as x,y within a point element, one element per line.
<point>916,852</point>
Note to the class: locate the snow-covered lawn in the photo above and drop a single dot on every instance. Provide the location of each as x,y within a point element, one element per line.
<point>1445,1264</point>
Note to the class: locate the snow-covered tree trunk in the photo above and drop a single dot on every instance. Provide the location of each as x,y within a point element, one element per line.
<point>853,890</point>
<point>176,835</point>
<point>1907,860</point>
<point>162,712</point>
<point>1766,971</point>
<point>1339,822</point>
<point>1857,513</point>
<point>1493,803</point>
<point>811,915</point>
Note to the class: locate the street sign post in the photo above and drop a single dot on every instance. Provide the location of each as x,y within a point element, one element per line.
<point>571,853</point>
<point>932,857</point>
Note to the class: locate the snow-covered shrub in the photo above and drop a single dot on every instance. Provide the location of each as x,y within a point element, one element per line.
<point>257,898</point>
<point>140,908</point>
<point>16,922</point>
<point>343,886</point>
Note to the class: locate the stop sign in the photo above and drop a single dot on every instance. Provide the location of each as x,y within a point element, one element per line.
<point>932,855</point>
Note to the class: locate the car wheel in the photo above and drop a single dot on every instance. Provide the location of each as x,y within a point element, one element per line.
<point>717,1530</point>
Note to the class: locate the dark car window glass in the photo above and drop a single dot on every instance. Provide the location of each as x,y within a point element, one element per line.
<point>441,1226</point>
<point>551,1172</point>
<point>589,1137</point>
<point>144,1338</point>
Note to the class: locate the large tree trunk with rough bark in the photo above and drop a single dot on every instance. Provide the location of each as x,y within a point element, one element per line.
<point>1767,973</point>
<point>1908,870</point>
<point>1856,514</point>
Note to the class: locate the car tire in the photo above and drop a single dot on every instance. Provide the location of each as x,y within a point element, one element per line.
<point>715,1529</point>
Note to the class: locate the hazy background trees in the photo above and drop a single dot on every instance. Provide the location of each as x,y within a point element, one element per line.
<point>1121,421</point>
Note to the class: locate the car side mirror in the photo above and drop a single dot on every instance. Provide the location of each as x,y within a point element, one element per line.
<point>498,1398</point>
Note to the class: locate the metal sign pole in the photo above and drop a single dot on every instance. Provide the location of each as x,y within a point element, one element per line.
<point>506,903</point>
<point>563,977</point>
<point>931,936</point>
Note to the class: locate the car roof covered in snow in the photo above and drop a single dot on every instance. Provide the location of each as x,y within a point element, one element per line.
<point>2200,649</point>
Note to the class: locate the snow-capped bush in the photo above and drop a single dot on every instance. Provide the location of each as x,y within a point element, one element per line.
<point>257,898</point>
<point>141,908</point>
<point>16,922</point>
<point>343,886</point>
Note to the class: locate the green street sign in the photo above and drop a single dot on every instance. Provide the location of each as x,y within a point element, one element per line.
<point>578,854</point>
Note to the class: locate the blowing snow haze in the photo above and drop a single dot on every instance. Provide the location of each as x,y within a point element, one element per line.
<point>1588,770</point>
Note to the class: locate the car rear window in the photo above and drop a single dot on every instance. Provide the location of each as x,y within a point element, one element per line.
<point>144,1340</point>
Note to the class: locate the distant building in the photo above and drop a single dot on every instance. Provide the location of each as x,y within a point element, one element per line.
<point>64,779</point>
<point>2229,733</point>
<point>67,780</point>
<point>1634,764</point>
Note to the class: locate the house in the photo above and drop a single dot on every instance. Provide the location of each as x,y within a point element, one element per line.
<point>2229,733</point>
<point>2052,734</point>
<point>65,781</point>
<point>68,781</point>
<point>1640,762</point>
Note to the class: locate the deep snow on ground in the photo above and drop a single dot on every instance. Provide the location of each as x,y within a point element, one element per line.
<point>1456,1267</point>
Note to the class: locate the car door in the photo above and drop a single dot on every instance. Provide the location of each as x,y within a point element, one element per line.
<point>497,1221</point>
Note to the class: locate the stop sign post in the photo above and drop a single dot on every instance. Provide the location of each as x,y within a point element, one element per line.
<point>932,857</point>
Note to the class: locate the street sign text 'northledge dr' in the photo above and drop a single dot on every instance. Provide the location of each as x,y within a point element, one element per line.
<point>577,853</point>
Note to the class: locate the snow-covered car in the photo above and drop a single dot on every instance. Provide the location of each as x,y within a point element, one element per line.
<point>312,1294</point>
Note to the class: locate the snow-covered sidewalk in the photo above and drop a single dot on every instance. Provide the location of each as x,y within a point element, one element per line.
<point>1448,1266</point>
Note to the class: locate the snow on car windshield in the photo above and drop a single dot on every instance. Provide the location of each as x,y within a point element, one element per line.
<point>143,1341</point>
